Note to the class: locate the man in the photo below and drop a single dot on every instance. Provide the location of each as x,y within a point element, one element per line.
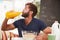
<point>29,23</point>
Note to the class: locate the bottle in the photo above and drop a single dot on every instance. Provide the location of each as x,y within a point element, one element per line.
<point>55,29</point>
<point>59,32</point>
<point>12,14</point>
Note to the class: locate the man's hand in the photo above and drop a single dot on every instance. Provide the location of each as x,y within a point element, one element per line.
<point>42,37</point>
<point>47,30</point>
<point>39,37</point>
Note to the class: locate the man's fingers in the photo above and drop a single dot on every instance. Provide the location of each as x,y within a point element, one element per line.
<point>39,38</point>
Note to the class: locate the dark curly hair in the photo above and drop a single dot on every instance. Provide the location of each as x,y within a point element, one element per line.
<point>32,8</point>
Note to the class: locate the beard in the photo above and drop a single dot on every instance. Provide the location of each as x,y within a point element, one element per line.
<point>25,14</point>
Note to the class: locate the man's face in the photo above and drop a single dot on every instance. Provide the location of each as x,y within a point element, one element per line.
<point>26,11</point>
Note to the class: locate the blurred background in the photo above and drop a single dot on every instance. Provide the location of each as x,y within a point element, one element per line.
<point>50,11</point>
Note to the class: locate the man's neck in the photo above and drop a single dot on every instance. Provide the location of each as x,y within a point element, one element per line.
<point>28,20</point>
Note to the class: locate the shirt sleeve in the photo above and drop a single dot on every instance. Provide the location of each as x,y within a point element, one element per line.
<point>42,26</point>
<point>16,24</point>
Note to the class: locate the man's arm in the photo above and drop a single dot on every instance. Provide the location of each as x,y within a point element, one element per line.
<point>6,26</point>
<point>47,30</point>
<point>44,36</point>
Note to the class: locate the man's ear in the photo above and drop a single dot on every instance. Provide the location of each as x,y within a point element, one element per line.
<point>31,12</point>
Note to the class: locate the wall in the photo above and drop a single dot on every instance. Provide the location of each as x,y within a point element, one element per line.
<point>50,11</point>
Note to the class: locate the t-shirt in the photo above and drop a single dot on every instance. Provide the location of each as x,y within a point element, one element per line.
<point>35,25</point>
